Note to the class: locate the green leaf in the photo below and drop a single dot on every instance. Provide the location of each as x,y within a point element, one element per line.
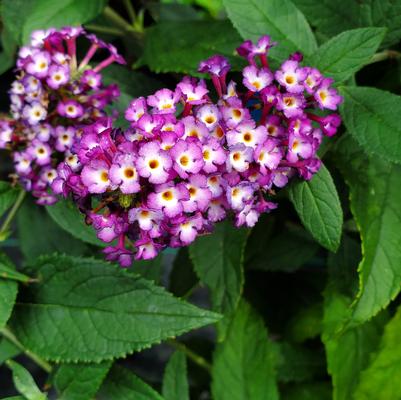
<point>347,352</point>
<point>282,256</point>
<point>331,17</point>
<point>149,269</point>
<point>296,363</point>
<point>66,214</point>
<point>56,14</point>
<point>92,311</point>
<point>8,294</point>
<point>80,381</point>
<point>24,382</point>
<point>39,235</point>
<point>8,195</point>
<point>380,380</point>
<point>182,277</point>
<point>218,261</point>
<point>123,385</point>
<point>308,391</point>
<point>305,324</point>
<point>318,206</point>
<point>243,366</point>
<point>278,18</point>
<point>347,53</point>
<point>371,117</point>
<point>7,350</point>
<point>193,41</point>
<point>6,62</point>
<point>175,381</point>
<point>8,289</point>
<point>375,189</point>
<point>14,15</point>
<point>7,270</point>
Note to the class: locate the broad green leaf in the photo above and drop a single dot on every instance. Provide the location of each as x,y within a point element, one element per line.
<point>305,324</point>
<point>288,249</point>
<point>121,384</point>
<point>371,117</point>
<point>39,234</point>
<point>7,270</point>
<point>79,381</point>
<point>347,352</point>
<point>218,261</point>
<point>56,14</point>
<point>8,290</point>
<point>296,363</point>
<point>243,365</point>
<point>14,15</point>
<point>375,189</point>
<point>7,350</point>
<point>278,18</point>
<point>193,42</point>
<point>381,379</point>
<point>8,195</point>
<point>149,269</point>
<point>131,84</point>
<point>182,277</point>
<point>172,12</point>
<point>68,217</point>
<point>348,52</point>
<point>331,17</point>
<point>24,382</point>
<point>92,311</point>
<point>14,398</point>
<point>318,206</point>
<point>307,391</point>
<point>175,381</point>
<point>6,62</point>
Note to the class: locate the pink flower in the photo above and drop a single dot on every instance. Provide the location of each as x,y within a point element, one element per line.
<point>58,76</point>
<point>153,163</point>
<point>326,96</point>
<point>268,155</point>
<point>187,157</point>
<point>95,176</point>
<point>123,173</point>
<point>70,109</point>
<point>194,91</point>
<point>291,76</point>
<point>213,155</point>
<point>291,104</point>
<point>239,158</point>
<point>168,198</point>
<point>247,134</point>
<point>186,229</point>
<point>136,109</point>
<point>164,101</point>
<point>256,79</point>
<point>199,194</point>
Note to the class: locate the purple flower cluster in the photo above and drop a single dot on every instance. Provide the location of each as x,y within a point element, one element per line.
<point>52,97</point>
<point>187,162</point>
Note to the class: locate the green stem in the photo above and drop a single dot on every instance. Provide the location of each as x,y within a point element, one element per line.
<point>7,222</point>
<point>384,55</point>
<point>130,10</point>
<point>121,23</point>
<point>196,358</point>
<point>34,357</point>
<point>105,29</point>
<point>117,19</point>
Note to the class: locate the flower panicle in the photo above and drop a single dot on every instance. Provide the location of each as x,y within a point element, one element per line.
<point>52,98</point>
<point>188,161</point>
